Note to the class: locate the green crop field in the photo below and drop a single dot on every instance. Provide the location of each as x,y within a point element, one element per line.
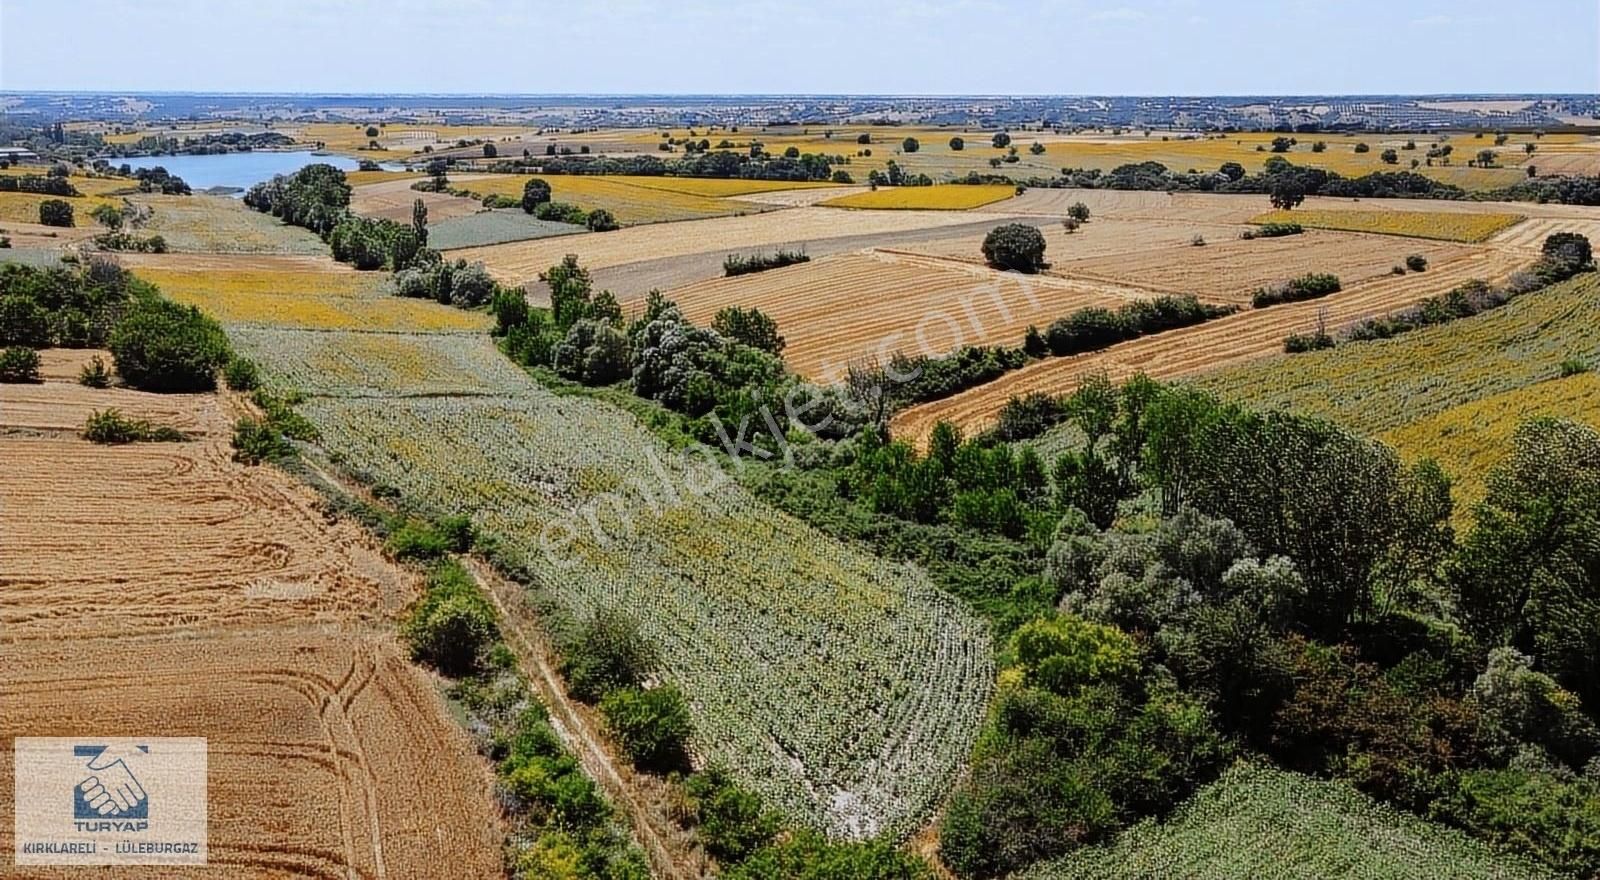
<point>1378,386</point>
<point>1266,824</point>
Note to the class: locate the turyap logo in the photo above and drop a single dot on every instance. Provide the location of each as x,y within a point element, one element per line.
<point>111,790</point>
<point>110,801</point>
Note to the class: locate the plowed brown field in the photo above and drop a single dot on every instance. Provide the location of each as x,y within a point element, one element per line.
<point>876,303</point>
<point>160,589</point>
<point>1249,335</point>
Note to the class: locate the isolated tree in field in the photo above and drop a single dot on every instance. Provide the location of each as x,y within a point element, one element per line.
<point>1530,147</point>
<point>1363,147</point>
<point>419,221</point>
<point>1079,212</point>
<point>601,220</point>
<point>1281,144</point>
<point>436,170</point>
<point>864,138</point>
<point>1001,140</point>
<point>372,131</point>
<point>534,193</point>
<point>1232,171</point>
<point>1571,248</point>
<point>958,144</point>
<point>1037,149</point>
<point>1015,246</point>
<point>1287,193</point>
<point>1389,157</point>
<point>107,216</point>
<point>55,212</point>
<point>1486,158</point>
<point>910,145</point>
<point>489,151</point>
<point>1319,147</point>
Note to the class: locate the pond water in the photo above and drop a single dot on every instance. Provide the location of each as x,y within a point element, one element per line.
<point>242,170</point>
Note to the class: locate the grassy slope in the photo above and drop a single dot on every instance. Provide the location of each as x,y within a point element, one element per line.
<point>1264,823</point>
<point>1375,387</point>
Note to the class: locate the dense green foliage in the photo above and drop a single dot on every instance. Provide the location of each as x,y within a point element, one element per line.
<point>451,627</point>
<point>1093,328</point>
<point>64,307</point>
<point>162,346</point>
<point>1312,286</point>
<point>19,364</point>
<point>1015,246</point>
<point>741,265</point>
<point>113,428</point>
<point>55,212</point>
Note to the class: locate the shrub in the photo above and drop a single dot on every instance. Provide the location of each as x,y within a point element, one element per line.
<point>1015,246</point>
<point>751,327</point>
<point>19,364</point>
<point>910,145</point>
<point>1276,230</point>
<point>1363,147</point>
<point>1198,240</point>
<point>601,220</point>
<point>23,322</point>
<point>1029,416</point>
<point>451,625</point>
<point>1570,248</point>
<point>651,725</point>
<point>609,652</point>
<point>111,427</point>
<point>1312,286</point>
<point>735,264</point>
<point>806,855</point>
<point>1417,263</point>
<point>1573,366</point>
<point>420,539</point>
<point>55,212</point>
<point>732,823</point>
<point>162,346</point>
<point>1079,212</point>
<point>241,375</point>
<point>1554,820</point>
<point>95,374</point>
<point>1299,343</point>
<point>535,192</point>
<point>958,144</point>
<point>257,440</point>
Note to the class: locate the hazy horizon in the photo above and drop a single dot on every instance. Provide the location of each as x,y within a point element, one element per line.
<point>830,47</point>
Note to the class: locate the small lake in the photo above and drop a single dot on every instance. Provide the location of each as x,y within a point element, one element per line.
<point>242,170</point>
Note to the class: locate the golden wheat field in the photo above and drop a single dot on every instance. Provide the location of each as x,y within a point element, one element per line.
<point>847,307</point>
<point>522,261</point>
<point>1470,439</point>
<point>315,297</point>
<point>632,200</point>
<point>1454,226</point>
<point>926,198</point>
<point>1229,270</point>
<point>17,207</point>
<point>1248,336</point>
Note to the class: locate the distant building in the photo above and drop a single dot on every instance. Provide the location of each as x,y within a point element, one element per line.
<point>18,154</point>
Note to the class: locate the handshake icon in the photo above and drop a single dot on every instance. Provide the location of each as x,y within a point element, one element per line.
<point>110,791</point>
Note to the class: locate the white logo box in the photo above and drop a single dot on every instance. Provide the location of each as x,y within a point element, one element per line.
<point>110,801</point>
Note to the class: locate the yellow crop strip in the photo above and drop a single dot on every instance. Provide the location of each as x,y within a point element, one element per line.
<point>947,197</point>
<point>1470,439</point>
<point>627,200</point>
<point>310,300</point>
<point>1441,225</point>
<point>18,207</point>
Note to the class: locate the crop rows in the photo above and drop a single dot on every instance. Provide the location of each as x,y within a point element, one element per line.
<point>1470,439</point>
<point>1443,225</point>
<point>928,198</point>
<point>360,364</point>
<point>1374,387</point>
<point>1265,823</point>
<point>845,688</point>
<point>1249,336</point>
<point>630,202</point>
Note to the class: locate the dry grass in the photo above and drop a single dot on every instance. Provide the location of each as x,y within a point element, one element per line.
<point>632,200</point>
<point>926,198</point>
<point>1452,226</point>
<point>16,207</point>
<point>220,225</point>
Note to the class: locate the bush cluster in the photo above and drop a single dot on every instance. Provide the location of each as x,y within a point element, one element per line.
<point>1093,328</point>
<point>741,265</point>
<point>1311,286</point>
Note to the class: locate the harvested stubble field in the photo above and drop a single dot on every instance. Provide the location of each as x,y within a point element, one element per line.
<point>1531,233</point>
<point>247,618</point>
<point>1251,335</point>
<point>318,295</point>
<point>1374,387</point>
<point>399,140</point>
<point>802,198</point>
<point>220,225</point>
<point>1264,823</point>
<point>1470,228</point>
<point>329,756</point>
<point>847,307</point>
<point>394,200</point>
<point>520,262</point>
<point>632,200</point>
<point>1100,237</point>
<point>927,198</point>
<point>1229,270</point>
<point>1138,205</point>
<point>1470,439</point>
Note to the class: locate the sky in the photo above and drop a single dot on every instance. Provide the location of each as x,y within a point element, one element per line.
<point>934,47</point>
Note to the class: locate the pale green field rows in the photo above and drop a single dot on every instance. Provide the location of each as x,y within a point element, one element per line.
<point>845,689</point>
<point>1266,824</point>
